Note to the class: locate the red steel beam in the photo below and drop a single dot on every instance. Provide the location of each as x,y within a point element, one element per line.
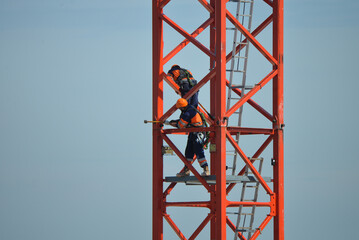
<point>258,30</point>
<point>248,204</point>
<point>186,41</point>
<point>269,2</point>
<point>206,5</point>
<point>220,123</point>
<point>174,227</point>
<point>253,91</point>
<point>244,130</point>
<point>187,36</point>
<point>185,161</point>
<point>212,46</point>
<point>163,3</point>
<point>233,227</point>
<point>157,111</point>
<point>257,154</point>
<point>201,226</point>
<point>251,38</point>
<point>261,227</point>
<point>171,83</point>
<point>278,151</point>
<point>253,104</point>
<point>203,204</point>
<point>249,164</point>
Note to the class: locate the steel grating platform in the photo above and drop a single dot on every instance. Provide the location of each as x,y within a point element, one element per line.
<point>192,180</point>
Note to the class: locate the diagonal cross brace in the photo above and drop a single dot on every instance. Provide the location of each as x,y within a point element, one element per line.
<point>258,30</point>
<point>233,227</point>
<point>253,91</point>
<point>251,38</point>
<point>187,36</point>
<point>186,162</point>
<point>174,226</point>
<point>193,90</point>
<point>186,41</point>
<point>253,104</point>
<point>257,154</point>
<point>249,164</point>
<point>201,226</point>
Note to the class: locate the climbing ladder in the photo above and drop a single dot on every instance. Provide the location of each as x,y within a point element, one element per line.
<point>242,224</point>
<point>238,65</point>
<point>237,80</point>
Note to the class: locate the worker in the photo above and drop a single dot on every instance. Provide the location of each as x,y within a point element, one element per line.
<point>190,117</point>
<point>185,81</point>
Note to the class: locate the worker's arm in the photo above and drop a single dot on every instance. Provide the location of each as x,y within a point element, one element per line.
<point>174,123</point>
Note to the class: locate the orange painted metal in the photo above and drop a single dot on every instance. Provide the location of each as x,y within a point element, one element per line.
<point>186,41</point>
<point>233,227</point>
<point>157,102</point>
<point>216,52</point>
<point>278,150</point>
<point>220,124</point>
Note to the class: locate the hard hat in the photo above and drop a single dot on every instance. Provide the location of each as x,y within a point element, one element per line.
<point>174,71</point>
<point>181,103</point>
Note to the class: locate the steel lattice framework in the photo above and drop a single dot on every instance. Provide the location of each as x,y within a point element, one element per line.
<point>218,203</point>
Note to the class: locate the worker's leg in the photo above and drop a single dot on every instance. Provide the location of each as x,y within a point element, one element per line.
<point>198,149</point>
<point>189,154</point>
<point>193,100</point>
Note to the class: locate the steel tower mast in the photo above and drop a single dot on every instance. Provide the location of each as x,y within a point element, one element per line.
<point>221,185</point>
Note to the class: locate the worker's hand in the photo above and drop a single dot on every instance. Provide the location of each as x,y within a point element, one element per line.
<point>173,123</point>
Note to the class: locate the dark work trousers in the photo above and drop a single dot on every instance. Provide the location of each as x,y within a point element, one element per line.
<point>195,146</point>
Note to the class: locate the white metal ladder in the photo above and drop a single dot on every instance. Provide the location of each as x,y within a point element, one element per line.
<point>242,224</point>
<point>238,65</point>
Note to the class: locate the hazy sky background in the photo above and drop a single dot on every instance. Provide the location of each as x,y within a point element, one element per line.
<point>75,87</point>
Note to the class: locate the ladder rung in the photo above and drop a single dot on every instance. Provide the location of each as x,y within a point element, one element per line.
<point>248,200</point>
<point>242,43</point>
<point>229,28</point>
<point>251,186</point>
<point>248,214</point>
<point>250,173</point>
<point>235,213</point>
<point>241,86</point>
<point>245,15</point>
<point>260,159</point>
<point>240,57</point>
<point>229,70</point>
<point>242,1</point>
<point>245,230</point>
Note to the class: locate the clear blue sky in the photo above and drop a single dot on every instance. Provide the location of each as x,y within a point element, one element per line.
<point>75,156</point>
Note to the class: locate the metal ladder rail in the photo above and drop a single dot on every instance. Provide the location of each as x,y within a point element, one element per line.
<point>243,71</point>
<point>249,228</point>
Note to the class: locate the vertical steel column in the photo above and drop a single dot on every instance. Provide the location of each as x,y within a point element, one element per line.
<point>157,104</point>
<point>220,124</point>
<point>212,110</point>
<point>278,115</point>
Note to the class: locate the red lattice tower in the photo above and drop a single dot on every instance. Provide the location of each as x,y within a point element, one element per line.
<point>216,77</point>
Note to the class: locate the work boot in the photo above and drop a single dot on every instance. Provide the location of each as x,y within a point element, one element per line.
<point>183,173</point>
<point>205,171</point>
